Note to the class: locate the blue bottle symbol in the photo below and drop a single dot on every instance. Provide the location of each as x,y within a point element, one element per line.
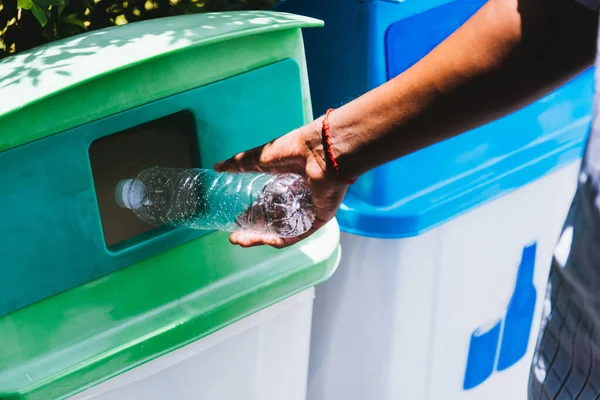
<point>519,315</point>
<point>511,334</point>
<point>482,355</point>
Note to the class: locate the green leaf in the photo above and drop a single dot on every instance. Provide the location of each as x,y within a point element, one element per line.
<point>25,4</point>
<point>47,3</point>
<point>40,14</point>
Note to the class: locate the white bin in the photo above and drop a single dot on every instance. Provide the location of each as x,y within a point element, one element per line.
<point>446,257</point>
<point>262,357</point>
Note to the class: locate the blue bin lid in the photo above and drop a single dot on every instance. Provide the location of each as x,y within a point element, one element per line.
<point>422,190</point>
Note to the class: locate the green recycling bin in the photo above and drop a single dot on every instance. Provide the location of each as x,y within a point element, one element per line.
<point>96,304</point>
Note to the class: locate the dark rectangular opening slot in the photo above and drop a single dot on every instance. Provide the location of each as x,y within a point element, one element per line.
<point>169,142</point>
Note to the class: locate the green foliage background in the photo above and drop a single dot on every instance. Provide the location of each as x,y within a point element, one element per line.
<point>25,24</point>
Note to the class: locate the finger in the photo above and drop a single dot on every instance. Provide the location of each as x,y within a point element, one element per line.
<point>318,224</point>
<point>281,155</point>
<point>244,161</point>
<point>251,239</point>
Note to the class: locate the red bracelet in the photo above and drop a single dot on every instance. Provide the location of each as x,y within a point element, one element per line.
<point>329,149</point>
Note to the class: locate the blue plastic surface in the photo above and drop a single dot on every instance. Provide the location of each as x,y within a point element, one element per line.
<point>407,197</point>
<point>411,39</point>
<point>351,45</point>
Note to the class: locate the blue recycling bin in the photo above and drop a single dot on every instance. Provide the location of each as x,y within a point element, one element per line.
<point>446,251</point>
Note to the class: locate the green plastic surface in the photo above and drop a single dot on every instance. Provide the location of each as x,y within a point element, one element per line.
<point>81,337</point>
<point>119,68</point>
<point>243,78</point>
<point>51,237</point>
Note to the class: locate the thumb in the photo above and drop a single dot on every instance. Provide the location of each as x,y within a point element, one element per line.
<point>282,155</point>
<point>244,161</point>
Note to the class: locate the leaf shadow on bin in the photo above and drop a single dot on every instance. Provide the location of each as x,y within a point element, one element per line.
<point>60,59</point>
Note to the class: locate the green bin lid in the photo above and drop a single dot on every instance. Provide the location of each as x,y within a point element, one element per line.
<point>94,66</point>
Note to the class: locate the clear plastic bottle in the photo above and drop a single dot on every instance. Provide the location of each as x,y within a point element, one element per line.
<point>279,205</point>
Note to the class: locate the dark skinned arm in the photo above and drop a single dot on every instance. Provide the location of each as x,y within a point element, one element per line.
<point>510,53</point>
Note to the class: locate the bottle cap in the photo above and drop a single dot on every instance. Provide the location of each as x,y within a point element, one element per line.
<point>128,193</point>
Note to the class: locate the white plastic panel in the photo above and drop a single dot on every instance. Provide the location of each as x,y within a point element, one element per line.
<point>262,357</point>
<point>396,320</point>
